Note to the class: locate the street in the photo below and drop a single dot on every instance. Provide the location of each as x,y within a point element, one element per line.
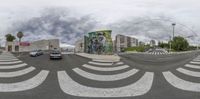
<point>134,76</point>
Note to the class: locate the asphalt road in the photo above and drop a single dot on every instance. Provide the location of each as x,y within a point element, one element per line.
<point>135,76</point>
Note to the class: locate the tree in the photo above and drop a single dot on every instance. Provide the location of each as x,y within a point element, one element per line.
<point>163,45</point>
<point>10,37</point>
<point>20,35</point>
<point>180,44</point>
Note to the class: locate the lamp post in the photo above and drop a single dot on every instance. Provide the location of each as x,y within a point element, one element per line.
<point>170,43</point>
<point>173,25</point>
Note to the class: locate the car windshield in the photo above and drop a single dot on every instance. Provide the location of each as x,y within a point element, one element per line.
<point>55,52</point>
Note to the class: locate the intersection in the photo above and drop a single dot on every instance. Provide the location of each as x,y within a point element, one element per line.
<point>133,76</point>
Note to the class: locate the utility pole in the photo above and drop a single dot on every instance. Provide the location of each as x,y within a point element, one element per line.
<point>170,44</point>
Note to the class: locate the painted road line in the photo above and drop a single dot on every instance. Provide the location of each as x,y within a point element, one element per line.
<point>105,69</point>
<point>6,60</point>
<point>119,63</point>
<point>141,87</point>
<point>195,62</point>
<point>102,60</point>
<point>25,85</point>
<point>180,83</point>
<point>10,62</point>
<point>188,72</point>
<point>16,73</point>
<point>7,57</point>
<point>105,77</point>
<point>104,64</point>
<point>13,66</point>
<point>192,66</point>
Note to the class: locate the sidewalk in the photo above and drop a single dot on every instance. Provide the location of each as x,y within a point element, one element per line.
<point>100,57</point>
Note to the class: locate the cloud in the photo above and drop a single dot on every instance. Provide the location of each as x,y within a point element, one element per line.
<point>55,23</point>
<point>62,23</point>
<point>158,28</point>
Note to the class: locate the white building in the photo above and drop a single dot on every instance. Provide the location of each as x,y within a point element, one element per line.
<point>152,43</point>
<point>79,45</point>
<point>35,45</point>
<point>123,41</point>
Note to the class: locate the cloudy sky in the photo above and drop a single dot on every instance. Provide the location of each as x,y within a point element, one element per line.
<point>69,20</point>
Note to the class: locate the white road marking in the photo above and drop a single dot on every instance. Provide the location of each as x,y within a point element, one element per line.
<point>180,83</point>
<point>7,56</point>
<point>105,77</point>
<point>195,62</point>
<point>105,69</point>
<point>189,72</point>
<point>192,66</point>
<point>141,87</point>
<point>96,63</point>
<point>119,63</point>
<point>13,66</point>
<point>10,62</point>
<point>25,85</point>
<point>101,60</point>
<point>16,73</point>
<point>5,60</point>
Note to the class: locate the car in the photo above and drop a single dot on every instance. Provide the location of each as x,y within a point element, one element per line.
<point>55,54</point>
<point>36,53</point>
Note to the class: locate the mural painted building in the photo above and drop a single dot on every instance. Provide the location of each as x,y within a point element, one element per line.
<point>99,42</point>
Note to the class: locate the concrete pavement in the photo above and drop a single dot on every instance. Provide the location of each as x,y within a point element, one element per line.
<point>128,76</point>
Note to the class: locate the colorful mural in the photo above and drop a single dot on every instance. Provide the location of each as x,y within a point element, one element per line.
<point>99,42</point>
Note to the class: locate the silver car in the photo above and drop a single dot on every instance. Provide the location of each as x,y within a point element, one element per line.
<point>36,53</point>
<point>55,54</point>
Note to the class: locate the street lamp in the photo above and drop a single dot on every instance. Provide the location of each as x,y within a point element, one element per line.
<point>173,25</point>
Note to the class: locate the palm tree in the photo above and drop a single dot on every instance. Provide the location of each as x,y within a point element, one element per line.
<point>20,35</point>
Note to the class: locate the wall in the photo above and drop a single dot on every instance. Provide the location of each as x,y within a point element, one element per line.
<point>99,42</point>
<point>41,44</point>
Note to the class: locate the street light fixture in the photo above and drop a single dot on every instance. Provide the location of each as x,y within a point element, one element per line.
<point>173,25</point>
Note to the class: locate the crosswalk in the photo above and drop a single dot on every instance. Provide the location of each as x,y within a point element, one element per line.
<point>139,87</point>
<point>10,62</point>
<point>101,71</point>
<point>158,53</point>
<point>192,69</point>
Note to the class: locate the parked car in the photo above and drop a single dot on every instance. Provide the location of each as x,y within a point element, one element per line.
<point>36,53</point>
<point>55,54</point>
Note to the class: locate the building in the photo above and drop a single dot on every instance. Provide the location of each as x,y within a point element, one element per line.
<point>141,43</point>
<point>122,42</point>
<point>98,42</point>
<point>30,46</point>
<point>152,43</point>
<point>79,46</point>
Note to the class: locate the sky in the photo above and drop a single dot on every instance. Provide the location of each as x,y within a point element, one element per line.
<point>69,20</point>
